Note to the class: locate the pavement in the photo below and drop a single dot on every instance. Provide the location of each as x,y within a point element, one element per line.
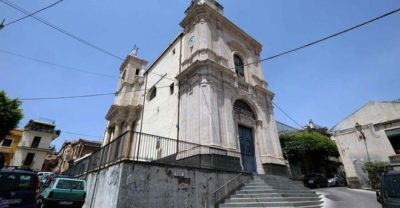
<point>343,197</point>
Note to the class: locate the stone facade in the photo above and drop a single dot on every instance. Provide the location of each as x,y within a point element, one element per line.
<point>153,185</point>
<point>201,88</point>
<point>380,123</point>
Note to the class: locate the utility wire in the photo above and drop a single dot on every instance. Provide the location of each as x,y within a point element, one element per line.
<point>67,97</point>
<point>323,39</point>
<point>60,29</point>
<point>17,20</point>
<point>80,134</point>
<point>68,33</point>
<point>84,96</point>
<point>286,114</point>
<point>56,65</point>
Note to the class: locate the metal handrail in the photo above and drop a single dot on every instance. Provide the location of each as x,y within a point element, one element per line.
<point>156,149</point>
<point>224,187</point>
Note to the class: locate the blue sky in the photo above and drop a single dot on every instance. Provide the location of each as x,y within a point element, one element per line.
<point>325,82</point>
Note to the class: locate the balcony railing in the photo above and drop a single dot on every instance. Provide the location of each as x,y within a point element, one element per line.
<point>243,86</point>
<point>141,147</point>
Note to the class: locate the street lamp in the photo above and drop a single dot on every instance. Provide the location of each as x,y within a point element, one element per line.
<point>362,136</point>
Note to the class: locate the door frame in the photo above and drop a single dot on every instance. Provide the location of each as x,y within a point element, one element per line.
<point>253,141</point>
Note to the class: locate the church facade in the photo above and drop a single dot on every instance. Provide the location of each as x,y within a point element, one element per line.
<point>206,87</point>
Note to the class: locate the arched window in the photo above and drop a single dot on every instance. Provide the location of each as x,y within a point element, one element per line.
<point>153,93</point>
<point>243,108</point>
<point>239,67</point>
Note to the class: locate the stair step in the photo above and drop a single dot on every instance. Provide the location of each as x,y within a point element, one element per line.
<point>260,191</point>
<point>312,206</point>
<point>270,204</point>
<point>275,195</point>
<point>273,191</point>
<point>273,199</point>
<point>273,187</point>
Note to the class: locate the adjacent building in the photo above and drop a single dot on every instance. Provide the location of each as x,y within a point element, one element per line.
<point>376,138</point>
<point>35,143</point>
<point>9,145</point>
<point>72,151</point>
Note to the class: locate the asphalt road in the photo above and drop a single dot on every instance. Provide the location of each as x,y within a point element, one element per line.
<point>342,197</point>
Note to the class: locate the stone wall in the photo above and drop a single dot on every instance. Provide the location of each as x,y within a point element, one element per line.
<point>152,185</point>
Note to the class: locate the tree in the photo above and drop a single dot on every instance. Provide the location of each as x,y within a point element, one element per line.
<point>310,149</point>
<point>10,114</point>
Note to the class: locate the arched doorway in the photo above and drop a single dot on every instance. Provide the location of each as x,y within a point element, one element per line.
<point>246,138</point>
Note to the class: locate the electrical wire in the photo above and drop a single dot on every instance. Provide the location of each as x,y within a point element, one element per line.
<point>61,30</point>
<point>323,39</point>
<point>84,96</point>
<point>17,20</point>
<point>80,134</point>
<point>286,114</point>
<point>57,65</point>
<point>69,34</point>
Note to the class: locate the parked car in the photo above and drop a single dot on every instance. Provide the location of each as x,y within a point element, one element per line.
<point>44,173</point>
<point>315,180</point>
<point>337,181</point>
<point>18,188</point>
<point>389,193</point>
<point>47,181</point>
<point>63,192</point>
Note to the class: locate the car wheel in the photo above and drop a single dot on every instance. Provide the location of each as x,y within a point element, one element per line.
<point>318,185</point>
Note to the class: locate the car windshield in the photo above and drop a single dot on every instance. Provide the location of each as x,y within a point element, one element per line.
<point>16,181</point>
<point>392,186</point>
<point>69,184</point>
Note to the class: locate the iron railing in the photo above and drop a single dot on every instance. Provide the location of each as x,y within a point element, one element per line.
<point>230,186</point>
<point>135,146</point>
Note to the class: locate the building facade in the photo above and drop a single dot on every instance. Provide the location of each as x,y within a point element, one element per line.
<point>206,87</point>
<point>74,150</point>
<point>377,140</point>
<point>35,144</point>
<point>9,145</point>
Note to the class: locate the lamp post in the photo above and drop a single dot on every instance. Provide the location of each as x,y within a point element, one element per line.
<point>362,136</point>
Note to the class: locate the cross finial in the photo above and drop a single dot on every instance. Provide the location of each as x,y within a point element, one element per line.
<point>134,51</point>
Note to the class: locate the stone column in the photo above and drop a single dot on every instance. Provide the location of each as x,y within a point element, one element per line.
<point>257,141</point>
<point>127,141</point>
<point>107,137</point>
<point>117,130</point>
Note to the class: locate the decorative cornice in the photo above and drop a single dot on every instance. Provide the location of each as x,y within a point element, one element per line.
<point>205,11</point>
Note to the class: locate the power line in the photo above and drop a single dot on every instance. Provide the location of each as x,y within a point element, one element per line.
<point>61,30</point>
<point>17,20</point>
<point>286,114</point>
<point>80,134</point>
<point>56,65</point>
<point>67,97</point>
<point>82,96</point>
<point>324,38</point>
<point>68,33</point>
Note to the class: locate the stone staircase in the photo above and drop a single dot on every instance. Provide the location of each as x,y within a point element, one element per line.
<point>273,191</point>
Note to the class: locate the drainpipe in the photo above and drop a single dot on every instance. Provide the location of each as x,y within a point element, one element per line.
<point>179,94</point>
<point>141,120</point>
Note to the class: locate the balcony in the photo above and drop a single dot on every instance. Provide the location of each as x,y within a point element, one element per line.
<point>42,126</point>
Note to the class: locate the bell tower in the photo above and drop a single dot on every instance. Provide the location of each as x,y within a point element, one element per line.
<point>127,105</point>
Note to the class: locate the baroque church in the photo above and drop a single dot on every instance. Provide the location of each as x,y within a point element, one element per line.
<point>205,88</point>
